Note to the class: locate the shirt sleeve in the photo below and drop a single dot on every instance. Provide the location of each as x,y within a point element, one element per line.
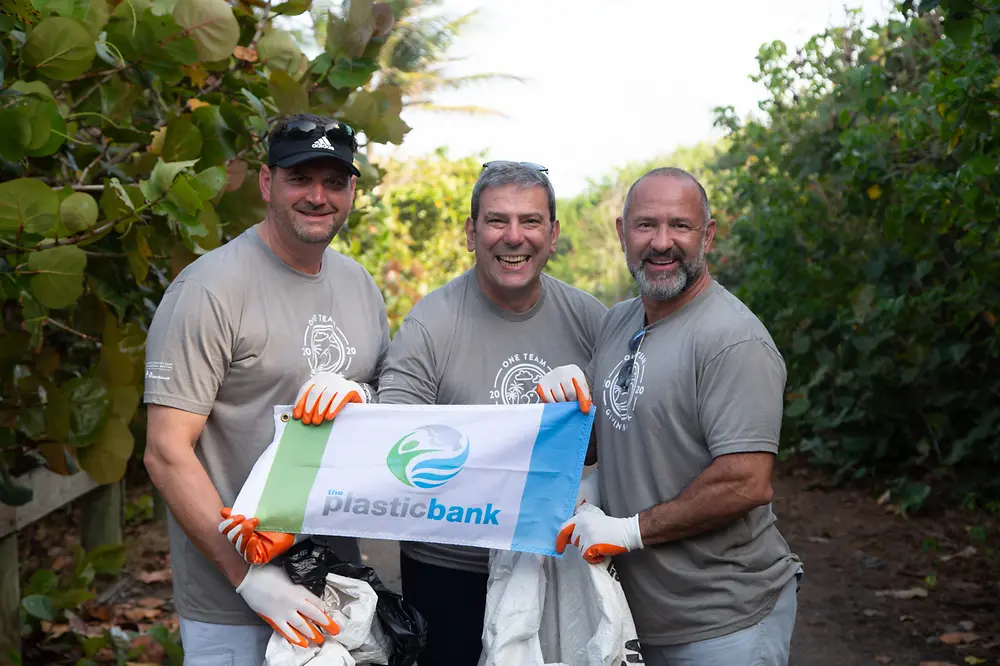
<point>592,323</point>
<point>741,399</point>
<point>409,374</point>
<point>595,328</point>
<point>383,346</point>
<point>188,349</point>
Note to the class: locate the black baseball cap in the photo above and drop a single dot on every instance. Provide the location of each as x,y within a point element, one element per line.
<point>304,140</point>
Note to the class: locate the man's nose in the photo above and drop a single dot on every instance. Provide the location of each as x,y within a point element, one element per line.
<point>316,194</point>
<point>514,234</point>
<point>662,240</point>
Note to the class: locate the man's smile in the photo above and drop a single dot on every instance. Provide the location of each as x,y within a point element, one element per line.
<point>513,260</point>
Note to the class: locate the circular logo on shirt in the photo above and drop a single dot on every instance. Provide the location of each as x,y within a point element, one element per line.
<point>325,346</point>
<point>622,388</point>
<point>516,379</point>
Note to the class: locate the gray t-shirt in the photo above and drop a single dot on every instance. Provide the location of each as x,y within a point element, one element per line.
<point>707,381</point>
<point>237,332</point>
<point>456,347</point>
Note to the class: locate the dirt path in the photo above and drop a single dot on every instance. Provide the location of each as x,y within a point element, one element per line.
<point>855,550</point>
<point>852,547</point>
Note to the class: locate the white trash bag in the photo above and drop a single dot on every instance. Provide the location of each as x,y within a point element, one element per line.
<point>545,611</point>
<point>351,604</point>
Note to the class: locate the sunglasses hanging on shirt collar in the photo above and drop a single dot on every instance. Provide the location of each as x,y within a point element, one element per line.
<point>624,379</point>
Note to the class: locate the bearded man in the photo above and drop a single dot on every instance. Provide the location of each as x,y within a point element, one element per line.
<point>689,390</point>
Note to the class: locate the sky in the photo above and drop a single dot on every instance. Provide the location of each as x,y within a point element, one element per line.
<point>609,82</point>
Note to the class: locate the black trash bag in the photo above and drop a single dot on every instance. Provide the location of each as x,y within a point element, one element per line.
<point>308,562</point>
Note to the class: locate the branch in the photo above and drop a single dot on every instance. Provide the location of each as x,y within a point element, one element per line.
<point>78,101</point>
<point>59,324</point>
<point>88,188</point>
<point>260,26</point>
<point>108,255</point>
<point>84,235</point>
<point>83,175</point>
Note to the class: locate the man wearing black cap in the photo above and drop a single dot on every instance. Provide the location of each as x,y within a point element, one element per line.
<point>271,317</point>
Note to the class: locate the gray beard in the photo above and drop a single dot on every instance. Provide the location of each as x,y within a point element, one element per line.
<point>673,287</point>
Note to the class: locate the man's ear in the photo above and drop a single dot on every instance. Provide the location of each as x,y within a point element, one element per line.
<point>555,235</point>
<point>710,228</point>
<point>470,234</point>
<point>264,182</point>
<point>620,227</point>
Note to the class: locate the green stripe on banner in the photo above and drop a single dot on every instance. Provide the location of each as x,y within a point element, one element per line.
<point>282,506</point>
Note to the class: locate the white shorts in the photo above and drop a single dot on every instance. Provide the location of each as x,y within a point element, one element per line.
<point>223,644</point>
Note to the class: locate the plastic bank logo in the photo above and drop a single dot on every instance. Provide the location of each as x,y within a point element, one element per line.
<point>428,457</point>
<point>403,507</point>
<point>424,459</point>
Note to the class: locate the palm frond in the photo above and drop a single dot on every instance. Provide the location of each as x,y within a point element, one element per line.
<point>456,82</point>
<point>468,109</point>
<point>414,45</point>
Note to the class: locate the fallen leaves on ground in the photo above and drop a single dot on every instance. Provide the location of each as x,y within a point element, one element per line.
<point>959,637</point>
<point>912,593</point>
<point>140,614</point>
<point>149,577</point>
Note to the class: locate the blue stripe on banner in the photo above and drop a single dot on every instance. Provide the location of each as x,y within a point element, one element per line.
<point>554,473</point>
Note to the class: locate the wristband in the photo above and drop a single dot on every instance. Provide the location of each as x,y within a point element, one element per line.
<point>371,397</point>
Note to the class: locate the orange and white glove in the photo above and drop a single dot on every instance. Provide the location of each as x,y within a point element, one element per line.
<point>590,490</point>
<point>565,384</point>
<point>598,535</point>
<point>324,395</point>
<point>291,610</point>
<point>253,546</point>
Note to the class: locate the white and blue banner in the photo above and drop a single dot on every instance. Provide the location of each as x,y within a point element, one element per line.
<point>493,476</point>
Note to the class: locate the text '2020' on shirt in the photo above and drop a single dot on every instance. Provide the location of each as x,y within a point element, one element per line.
<point>237,332</point>
<point>457,347</point>
<point>707,381</point>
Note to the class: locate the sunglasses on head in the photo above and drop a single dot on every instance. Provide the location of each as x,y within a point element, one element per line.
<point>530,165</point>
<point>624,380</point>
<point>307,129</point>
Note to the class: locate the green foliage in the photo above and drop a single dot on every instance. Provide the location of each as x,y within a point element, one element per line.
<point>48,594</point>
<point>410,234</point>
<point>864,207</point>
<point>133,133</point>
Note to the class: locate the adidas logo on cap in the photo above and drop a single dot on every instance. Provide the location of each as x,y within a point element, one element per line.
<point>323,142</point>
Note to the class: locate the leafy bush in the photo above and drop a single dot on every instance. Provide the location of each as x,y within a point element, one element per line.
<point>864,234</point>
<point>138,132</point>
<point>412,236</point>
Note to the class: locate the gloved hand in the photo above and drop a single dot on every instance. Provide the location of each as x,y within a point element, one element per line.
<point>323,396</point>
<point>565,384</point>
<point>590,490</point>
<point>253,546</point>
<point>290,609</point>
<point>598,535</point>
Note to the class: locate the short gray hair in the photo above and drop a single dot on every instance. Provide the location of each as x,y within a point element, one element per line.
<point>668,172</point>
<point>498,174</point>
